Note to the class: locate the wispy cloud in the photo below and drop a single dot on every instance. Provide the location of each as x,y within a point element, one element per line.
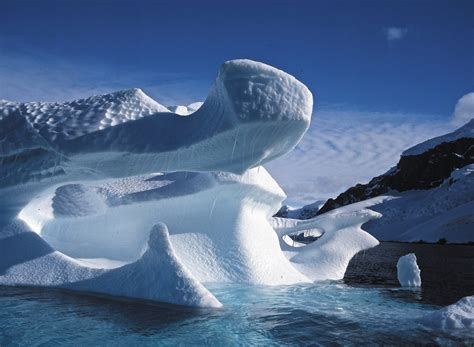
<point>344,147</point>
<point>28,76</point>
<point>464,110</point>
<point>395,33</point>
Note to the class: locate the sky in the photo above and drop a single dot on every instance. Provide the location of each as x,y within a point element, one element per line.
<point>371,63</point>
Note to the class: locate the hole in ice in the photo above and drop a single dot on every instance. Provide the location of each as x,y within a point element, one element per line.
<point>302,238</point>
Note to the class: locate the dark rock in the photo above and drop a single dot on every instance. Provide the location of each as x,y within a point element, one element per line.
<point>424,171</point>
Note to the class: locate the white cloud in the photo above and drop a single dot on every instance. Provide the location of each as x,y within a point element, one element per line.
<point>344,147</point>
<point>395,33</point>
<point>464,110</point>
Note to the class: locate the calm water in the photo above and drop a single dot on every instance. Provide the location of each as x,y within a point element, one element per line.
<point>367,307</point>
<point>447,272</point>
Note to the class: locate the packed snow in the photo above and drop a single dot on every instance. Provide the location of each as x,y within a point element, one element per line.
<point>456,316</point>
<point>408,272</point>
<point>134,200</point>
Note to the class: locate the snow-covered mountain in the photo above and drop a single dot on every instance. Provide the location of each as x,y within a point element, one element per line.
<point>428,196</point>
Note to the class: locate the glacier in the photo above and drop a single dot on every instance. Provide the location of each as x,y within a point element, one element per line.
<point>119,195</point>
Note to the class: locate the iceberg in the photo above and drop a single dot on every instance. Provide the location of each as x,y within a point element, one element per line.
<point>119,195</point>
<point>408,272</point>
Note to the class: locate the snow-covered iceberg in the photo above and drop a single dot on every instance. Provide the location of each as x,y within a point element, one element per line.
<point>87,186</point>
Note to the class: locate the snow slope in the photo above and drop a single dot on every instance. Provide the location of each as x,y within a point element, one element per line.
<point>445,212</point>
<point>144,203</point>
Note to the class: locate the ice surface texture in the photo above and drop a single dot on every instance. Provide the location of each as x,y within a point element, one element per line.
<point>408,272</point>
<point>456,316</point>
<point>253,113</point>
<point>118,166</point>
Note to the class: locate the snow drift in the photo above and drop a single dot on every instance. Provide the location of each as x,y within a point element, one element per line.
<point>121,196</point>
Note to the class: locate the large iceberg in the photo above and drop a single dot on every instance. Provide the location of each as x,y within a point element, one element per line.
<point>116,194</point>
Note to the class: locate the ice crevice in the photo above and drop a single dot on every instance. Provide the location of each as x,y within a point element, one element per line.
<point>152,204</point>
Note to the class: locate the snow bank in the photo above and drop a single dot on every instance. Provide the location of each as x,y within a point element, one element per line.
<point>457,316</point>
<point>408,272</point>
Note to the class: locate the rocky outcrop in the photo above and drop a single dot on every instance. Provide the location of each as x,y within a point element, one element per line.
<point>424,171</point>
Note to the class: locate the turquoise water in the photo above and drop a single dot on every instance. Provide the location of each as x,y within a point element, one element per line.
<point>310,314</point>
<point>367,307</point>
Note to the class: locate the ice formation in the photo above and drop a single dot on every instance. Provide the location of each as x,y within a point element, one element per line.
<point>186,110</point>
<point>408,272</point>
<point>456,316</point>
<point>86,187</point>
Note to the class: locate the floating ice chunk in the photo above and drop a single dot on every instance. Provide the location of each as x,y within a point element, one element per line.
<point>408,272</point>
<point>456,316</point>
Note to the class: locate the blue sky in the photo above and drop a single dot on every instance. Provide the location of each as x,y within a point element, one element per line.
<point>409,56</point>
<point>385,74</point>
